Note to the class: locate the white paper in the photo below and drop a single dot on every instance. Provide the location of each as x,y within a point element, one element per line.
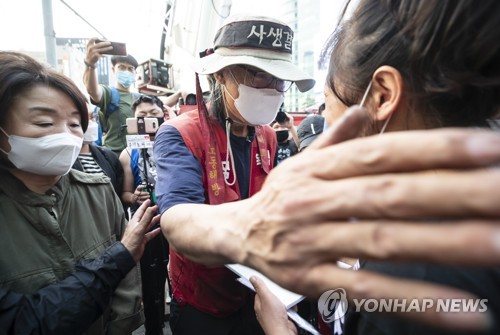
<point>288,298</point>
<point>299,321</point>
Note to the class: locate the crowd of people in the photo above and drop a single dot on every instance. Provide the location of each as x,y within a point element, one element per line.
<point>390,193</point>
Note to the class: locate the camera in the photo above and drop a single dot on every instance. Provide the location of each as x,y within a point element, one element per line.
<point>144,125</point>
<point>191,99</point>
<point>155,76</point>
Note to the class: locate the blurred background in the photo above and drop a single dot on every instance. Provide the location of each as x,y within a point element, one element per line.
<point>163,35</point>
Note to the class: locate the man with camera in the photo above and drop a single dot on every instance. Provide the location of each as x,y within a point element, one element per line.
<point>284,127</point>
<point>139,181</point>
<point>114,102</point>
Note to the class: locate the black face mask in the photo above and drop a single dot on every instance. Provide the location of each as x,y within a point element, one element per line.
<point>282,135</point>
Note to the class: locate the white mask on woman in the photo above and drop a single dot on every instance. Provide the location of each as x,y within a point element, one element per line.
<point>92,133</point>
<point>50,155</point>
<point>258,106</point>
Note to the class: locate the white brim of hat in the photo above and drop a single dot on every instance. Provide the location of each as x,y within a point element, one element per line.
<point>269,61</point>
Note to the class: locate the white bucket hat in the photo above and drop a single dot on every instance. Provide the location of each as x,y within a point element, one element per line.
<point>257,41</point>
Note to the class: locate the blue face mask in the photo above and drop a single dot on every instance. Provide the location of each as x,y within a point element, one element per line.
<point>125,78</point>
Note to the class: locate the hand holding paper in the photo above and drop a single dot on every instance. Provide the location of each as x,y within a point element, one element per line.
<point>287,298</point>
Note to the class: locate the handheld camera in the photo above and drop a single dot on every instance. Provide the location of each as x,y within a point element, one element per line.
<point>143,125</point>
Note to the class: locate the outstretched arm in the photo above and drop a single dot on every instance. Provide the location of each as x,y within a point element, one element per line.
<point>78,300</point>
<point>92,56</point>
<point>377,197</point>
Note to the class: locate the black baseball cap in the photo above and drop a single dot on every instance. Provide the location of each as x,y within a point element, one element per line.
<point>310,128</point>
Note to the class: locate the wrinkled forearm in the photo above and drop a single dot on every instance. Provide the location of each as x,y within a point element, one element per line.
<point>207,234</point>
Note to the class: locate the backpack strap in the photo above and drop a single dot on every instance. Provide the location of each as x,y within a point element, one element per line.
<point>115,98</point>
<point>111,107</point>
<point>99,126</point>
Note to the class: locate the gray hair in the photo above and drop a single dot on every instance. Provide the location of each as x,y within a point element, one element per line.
<point>217,108</point>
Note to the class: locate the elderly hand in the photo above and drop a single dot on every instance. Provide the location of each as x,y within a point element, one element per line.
<point>137,232</point>
<point>377,198</point>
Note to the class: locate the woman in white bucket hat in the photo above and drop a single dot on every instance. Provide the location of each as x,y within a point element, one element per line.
<point>220,153</point>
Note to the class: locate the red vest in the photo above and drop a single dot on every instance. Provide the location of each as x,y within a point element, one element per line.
<point>215,290</point>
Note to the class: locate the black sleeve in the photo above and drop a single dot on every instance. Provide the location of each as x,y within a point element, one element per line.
<point>480,281</point>
<point>110,164</point>
<point>71,305</point>
<point>117,168</point>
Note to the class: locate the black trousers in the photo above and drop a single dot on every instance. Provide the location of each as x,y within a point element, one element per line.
<point>154,273</point>
<point>186,320</point>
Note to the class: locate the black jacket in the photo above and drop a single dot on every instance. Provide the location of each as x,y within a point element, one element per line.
<point>109,163</point>
<point>71,305</point>
<point>483,282</point>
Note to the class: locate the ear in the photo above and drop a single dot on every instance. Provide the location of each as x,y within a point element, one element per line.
<point>386,91</point>
<point>219,76</point>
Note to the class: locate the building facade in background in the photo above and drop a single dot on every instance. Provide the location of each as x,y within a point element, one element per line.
<point>191,28</point>
<point>313,21</point>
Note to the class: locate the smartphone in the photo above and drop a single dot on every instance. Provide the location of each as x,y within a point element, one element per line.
<point>152,124</point>
<point>119,49</point>
<point>143,125</point>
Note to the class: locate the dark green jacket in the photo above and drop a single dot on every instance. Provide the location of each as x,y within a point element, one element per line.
<point>43,236</point>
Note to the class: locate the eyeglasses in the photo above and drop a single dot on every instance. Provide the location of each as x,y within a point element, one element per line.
<point>260,79</point>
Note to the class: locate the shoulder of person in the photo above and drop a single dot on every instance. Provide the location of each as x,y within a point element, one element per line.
<point>188,119</point>
<point>187,125</point>
<point>107,153</point>
<point>87,178</point>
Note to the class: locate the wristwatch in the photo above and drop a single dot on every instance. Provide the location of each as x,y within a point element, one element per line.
<point>89,66</point>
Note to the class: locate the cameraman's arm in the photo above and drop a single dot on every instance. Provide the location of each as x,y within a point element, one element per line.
<point>89,75</point>
<point>128,187</point>
<point>131,195</point>
<point>172,99</point>
<point>292,129</point>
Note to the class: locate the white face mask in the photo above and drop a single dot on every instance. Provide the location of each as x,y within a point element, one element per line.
<point>51,155</point>
<point>92,133</point>
<point>258,106</point>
